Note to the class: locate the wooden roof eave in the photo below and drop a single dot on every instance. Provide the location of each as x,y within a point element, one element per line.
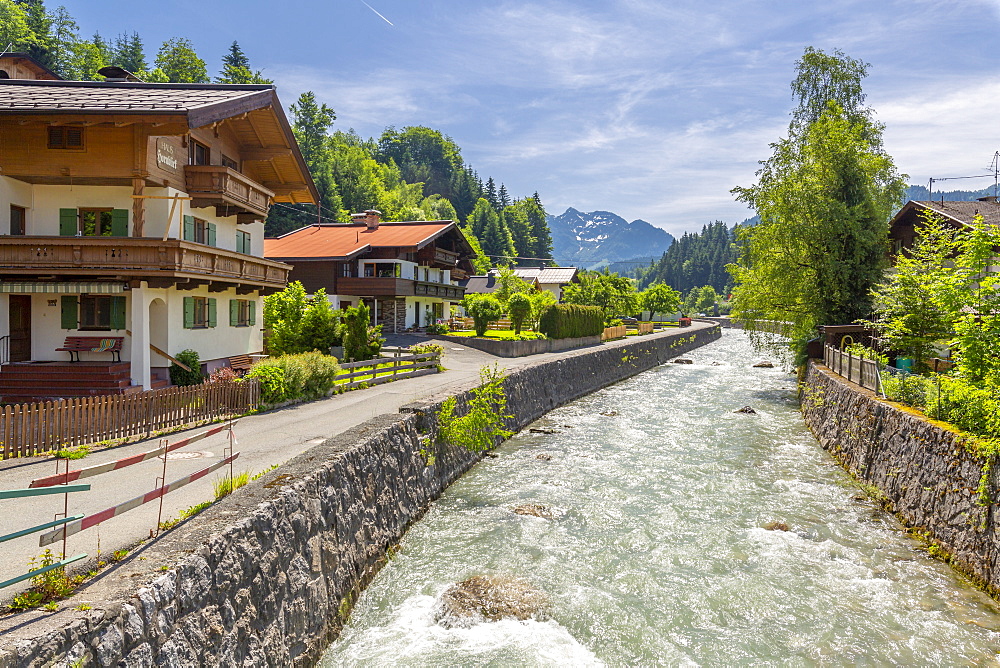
<point>165,123</point>
<point>221,111</point>
<point>279,113</point>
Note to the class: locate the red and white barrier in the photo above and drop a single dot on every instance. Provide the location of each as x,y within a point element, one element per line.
<point>114,511</point>
<point>97,469</point>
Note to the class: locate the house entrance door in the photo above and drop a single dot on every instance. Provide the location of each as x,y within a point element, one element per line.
<point>19,313</point>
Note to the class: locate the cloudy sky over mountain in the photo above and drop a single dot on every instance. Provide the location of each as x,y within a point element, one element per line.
<point>650,109</point>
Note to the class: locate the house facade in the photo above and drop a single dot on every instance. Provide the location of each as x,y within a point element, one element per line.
<point>552,279</point>
<point>406,272</point>
<point>137,210</point>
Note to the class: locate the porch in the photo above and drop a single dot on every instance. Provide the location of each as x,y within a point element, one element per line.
<point>22,382</point>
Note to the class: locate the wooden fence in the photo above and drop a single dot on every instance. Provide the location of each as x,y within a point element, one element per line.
<point>855,369</point>
<point>28,429</point>
<point>645,328</point>
<point>386,369</point>
<point>617,332</point>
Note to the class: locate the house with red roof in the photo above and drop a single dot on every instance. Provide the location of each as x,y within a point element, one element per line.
<point>406,272</point>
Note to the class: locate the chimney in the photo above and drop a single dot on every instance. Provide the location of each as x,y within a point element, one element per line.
<point>115,74</point>
<point>371,218</point>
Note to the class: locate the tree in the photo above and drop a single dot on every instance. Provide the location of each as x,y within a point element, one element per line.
<point>483,309</point>
<point>824,198</point>
<point>614,294</point>
<point>497,241</point>
<point>910,315</point>
<point>361,340</point>
<point>128,53</point>
<point>480,261</point>
<point>539,231</point>
<point>423,155</point>
<point>236,68</point>
<point>503,198</point>
<point>490,193</point>
<point>519,309</point>
<point>660,298</point>
<point>14,27</point>
<point>540,300</point>
<point>178,60</point>
<point>509,284</point>
<point>300,323</point>
<point>311,125</point>
<point>515,218</point>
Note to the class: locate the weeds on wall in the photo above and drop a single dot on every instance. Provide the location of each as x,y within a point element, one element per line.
<point>482,426</point>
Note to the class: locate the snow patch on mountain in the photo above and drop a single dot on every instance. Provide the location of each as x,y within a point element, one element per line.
<point>599,237</point>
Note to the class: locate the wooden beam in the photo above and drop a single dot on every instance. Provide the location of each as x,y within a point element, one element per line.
<point>138,206</point>
<point>256,132</point>
<point>265,153</point>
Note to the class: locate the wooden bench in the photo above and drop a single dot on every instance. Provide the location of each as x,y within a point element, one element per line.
<point>240,363</point>
<point>93,344</point>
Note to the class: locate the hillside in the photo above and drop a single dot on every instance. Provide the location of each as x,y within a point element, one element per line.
<point>600,237</point>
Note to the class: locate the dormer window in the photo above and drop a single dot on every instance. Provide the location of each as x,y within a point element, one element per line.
<point>62,137</point>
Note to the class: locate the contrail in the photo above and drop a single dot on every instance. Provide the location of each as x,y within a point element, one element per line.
<point>376,12</point>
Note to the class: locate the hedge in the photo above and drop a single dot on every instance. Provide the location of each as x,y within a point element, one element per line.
<point>566,321</point>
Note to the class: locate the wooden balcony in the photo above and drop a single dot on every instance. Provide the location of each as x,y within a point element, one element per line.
<point>162,263</point>
<point>228,191</point>
<point>396,287</point>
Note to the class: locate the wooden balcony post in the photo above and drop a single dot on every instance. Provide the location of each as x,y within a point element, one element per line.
<point>138,206</point>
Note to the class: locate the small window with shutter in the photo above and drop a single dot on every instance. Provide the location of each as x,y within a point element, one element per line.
<point>66,137</point>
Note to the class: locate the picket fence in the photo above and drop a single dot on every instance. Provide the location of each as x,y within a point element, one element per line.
<point>33,428</point>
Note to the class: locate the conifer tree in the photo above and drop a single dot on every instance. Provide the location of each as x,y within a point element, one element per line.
<point>128,53</point>
<point>236,68</point>
<point>490,193</point>
<point>497,242</point>
<point>503,199</point>
<point>481,216</point>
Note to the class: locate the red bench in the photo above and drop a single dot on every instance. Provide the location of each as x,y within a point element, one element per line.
<point>93,344</point>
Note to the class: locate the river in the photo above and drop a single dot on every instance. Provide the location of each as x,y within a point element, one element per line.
<point>657,554</point>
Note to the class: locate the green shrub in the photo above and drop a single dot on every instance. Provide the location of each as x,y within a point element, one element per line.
<point>361,340</point>
<point>435,328</point>
<point>303,376</point>
<point>482,426</point>
<point>565,321</point>
<point>519,307</point>
<point>907,389</point>
<point>968,407</point>
<point>179,376</point>
<point>273,388</point>
<point>483,309</point>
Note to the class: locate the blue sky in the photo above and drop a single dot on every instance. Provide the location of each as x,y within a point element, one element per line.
<point>653,110</point>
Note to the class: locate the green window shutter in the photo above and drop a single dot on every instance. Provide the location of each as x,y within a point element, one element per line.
<point>188,312</point>
<point>211,234</point>
<point>188,228</point>
<point>119,222</point>
<point>67,223</point>
<point>69,311</point>
<point>212,320</point>
<point>234,312</point>
<point>253,313</point>
<point>117,313</point>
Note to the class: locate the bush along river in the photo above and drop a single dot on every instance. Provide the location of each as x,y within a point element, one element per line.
<point>655,525</point>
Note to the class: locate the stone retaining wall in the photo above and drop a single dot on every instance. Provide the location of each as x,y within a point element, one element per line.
<point>268,575</point>
<point>520,348</point>
<point>923,470</point>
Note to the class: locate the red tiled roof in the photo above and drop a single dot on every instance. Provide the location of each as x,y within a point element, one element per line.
<point>345,241</point>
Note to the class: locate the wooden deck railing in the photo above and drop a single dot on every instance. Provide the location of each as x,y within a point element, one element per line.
<point>135,257</point>
<point>216,184</point>
<point>29,429</point>
<point>855,369</point>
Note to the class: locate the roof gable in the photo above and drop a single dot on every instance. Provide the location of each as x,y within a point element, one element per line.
<point>342,242</point>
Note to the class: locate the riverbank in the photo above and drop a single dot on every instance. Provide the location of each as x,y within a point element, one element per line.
<point>268,575</point>
<point>923,471</point>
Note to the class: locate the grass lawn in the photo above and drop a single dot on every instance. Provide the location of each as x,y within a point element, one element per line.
<point>500,334</point>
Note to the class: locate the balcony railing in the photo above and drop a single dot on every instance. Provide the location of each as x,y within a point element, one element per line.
<point>223,187</point>
<point>445,257</point>
<point>140,258</point>
<point>396,287</point>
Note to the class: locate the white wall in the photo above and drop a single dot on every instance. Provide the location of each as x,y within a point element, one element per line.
<point>44,201</point>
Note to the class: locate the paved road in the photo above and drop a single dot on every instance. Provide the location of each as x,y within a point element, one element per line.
<point>262,440</point>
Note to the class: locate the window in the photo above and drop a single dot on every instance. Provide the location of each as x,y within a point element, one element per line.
<point>199,312</point>
<point>242,242</point>
<point>198,153</point>
<point>17,219</point>
<point>242,313</point>
<point>93,312</point>
<point>64,137</point>
<point>230,163</point>
<point>199,231</point>
<point>347,269</point>
<point>382,270</point>
<point>93,222</point>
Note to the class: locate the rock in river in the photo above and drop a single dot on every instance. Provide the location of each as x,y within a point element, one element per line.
<point>682,360</point>
<point>777,526</point>
<point>489,598</point>
<point>534,510</point>
<point>746,409</point>
<point>537,430</point>
<point>763,365</point>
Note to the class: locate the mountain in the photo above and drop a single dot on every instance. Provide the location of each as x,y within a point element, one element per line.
<point>919,193</point>
<point>597,238</point>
